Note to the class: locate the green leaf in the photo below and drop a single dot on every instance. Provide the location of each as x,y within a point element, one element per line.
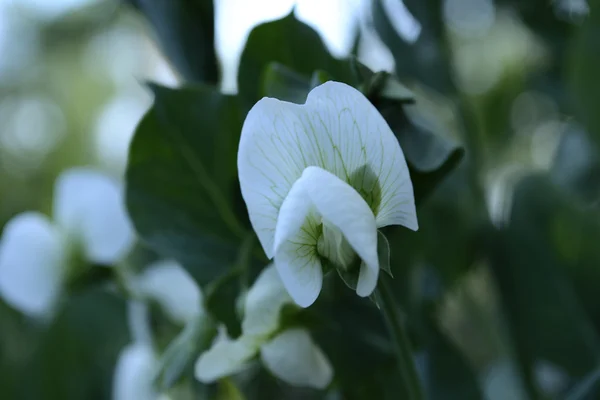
<point>444,370</point>
<point>576,166</point>
<point>222,297</point>
<point>257,383</point>
<point>446,246</point>
<point>360,352</point>
<point>227,390</point>
<point>283,83</point>
<point>411,63</point>
<point>446,374</point>
<point>383,251</point>
<point>381,84</point>
<point>531,261</point>
<point>182,352</point>
<point>318,78</point>
<point>430,157</point>
<point>585,64</point>
<point>76,356</point>
<point>394,90</point>
<point>350,278</point>
<point>553,24</point>
<point>292,44</point>
<point>16,336</point>
<point>182,179</point>
<point>186,33</point>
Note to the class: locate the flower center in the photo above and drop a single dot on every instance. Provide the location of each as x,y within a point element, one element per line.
<point>333,246</point>
<point>366,183</point>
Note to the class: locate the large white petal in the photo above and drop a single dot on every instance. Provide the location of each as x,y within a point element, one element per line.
<point>295,246</point>
<point>226,357</point>
<point>173,288</point>
<point>270,159</point>
<point>264,301</point>
<point>298,262</point>
<point>134,374</point>
<point>33,258</point>
<point>342,206</point>
<point>293,357</point>
<point>89,205</point>
<point>337,129</point>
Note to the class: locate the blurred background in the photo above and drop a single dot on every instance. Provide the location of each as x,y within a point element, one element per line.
<point>71,93</point>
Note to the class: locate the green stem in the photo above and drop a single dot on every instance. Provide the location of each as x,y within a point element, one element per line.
<point>244,259</point>
<point>406,364</point>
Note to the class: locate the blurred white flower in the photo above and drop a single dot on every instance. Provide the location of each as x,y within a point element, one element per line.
<point>318,180</point>
<point>501,381</point>
<point>499,188</point>
<point>167,283</point>
<point>403,22</point>
<point>134,374</point>
<point>290,354</point>
<point>37,254</point>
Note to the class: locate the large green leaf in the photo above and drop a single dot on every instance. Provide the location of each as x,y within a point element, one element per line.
<point>76,357</point>
<point>182,179</point>
<point>185,31</point>
<point>585,64</point>
<point>530,262</point>
<point>292,44</point>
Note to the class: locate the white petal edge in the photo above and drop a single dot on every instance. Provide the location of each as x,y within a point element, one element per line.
<point>293,357</point>
<point>339,130</point>
<point>226,357</point>
<point>134,373</point>
<point>173,288</point>
<point>89,205</point>
<point>341,205</point>
<point>33,258</point>
<point>367,280</point>
<point>264,302</point>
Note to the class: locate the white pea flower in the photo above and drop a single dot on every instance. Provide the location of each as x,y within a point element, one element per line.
<point>169,285</point>
<point>37,254</point>
<point>172,287</point>
<point>290,354</point>
<point>318,180</point>
<point>134,373</point>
